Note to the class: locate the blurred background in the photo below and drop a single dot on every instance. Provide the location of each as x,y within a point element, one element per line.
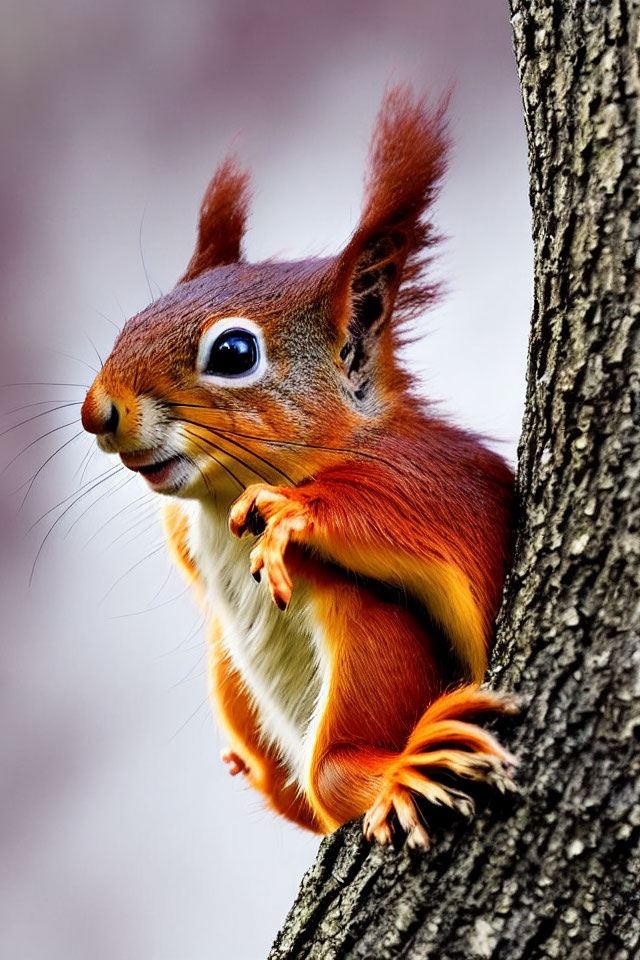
<point>122,834</point>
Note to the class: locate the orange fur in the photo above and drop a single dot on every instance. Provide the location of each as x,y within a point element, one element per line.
<point>239,719</point>
<point>393,524</point>
<point>176,530</point>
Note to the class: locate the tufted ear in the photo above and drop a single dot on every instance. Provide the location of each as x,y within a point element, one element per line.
<point>390,245</point>
<point>223,216</point>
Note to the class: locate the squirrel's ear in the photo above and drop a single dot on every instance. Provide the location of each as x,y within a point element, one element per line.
<point>390,245</point>
<point>223,216</point>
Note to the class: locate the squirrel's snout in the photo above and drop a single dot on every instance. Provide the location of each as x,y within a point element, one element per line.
<point>121,420</point>
<point>100,418</point>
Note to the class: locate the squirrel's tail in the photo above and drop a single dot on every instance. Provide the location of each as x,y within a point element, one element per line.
<point>445,749</point>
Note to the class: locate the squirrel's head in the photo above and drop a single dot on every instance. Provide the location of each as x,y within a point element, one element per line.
<point>248,372</point>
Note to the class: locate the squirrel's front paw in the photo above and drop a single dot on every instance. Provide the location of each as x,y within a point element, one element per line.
<point>265,511</point>
<point>252,510</point>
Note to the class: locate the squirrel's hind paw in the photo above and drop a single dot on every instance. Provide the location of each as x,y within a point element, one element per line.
<point>235,761</point>
<point>406,784</point>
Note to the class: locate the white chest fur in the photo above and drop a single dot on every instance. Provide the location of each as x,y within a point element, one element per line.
<point>277,654</point>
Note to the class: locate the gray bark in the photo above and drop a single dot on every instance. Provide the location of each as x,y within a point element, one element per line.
<point>554,872</point>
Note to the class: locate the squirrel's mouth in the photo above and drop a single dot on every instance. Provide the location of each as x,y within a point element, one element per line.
<point>159,473</point>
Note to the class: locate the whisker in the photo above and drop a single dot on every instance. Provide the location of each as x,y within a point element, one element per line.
<point>38,403</point>
<point>157,606</point>
<point>144,265</point>
<point>124,316</point>
<point>45,383</point>
<point>113,490</point>
<point>226,452</point>
<point>189,719</point>
<point>198,625</point>
<point>206,482</point>
<point>20,488</point>
<point>96,351</point>
<point>86,460</point>
<point>124,509</point>
<point>70,356</point>
<point>196,436</point>
<point>109,320</point>
<point>189,675</point>
<point>315,446</point>
<point>111,472</point>
<point>44,413</point>
<point>241,446</point>
<point>57,521</point>
<point>147,556</point>
<point>163,585</point>
<point>283,443</point>
<point>149,518</point>
<point>257,456</point>
<point>37,440</point>
<point>48,460</point>
<point>149,515</point>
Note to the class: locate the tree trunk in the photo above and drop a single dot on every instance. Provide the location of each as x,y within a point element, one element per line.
<point>554,872</point>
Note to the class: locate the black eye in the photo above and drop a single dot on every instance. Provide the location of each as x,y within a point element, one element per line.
<point>233,353</point>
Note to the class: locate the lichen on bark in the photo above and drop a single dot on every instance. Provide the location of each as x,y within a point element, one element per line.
<point>554,871</point>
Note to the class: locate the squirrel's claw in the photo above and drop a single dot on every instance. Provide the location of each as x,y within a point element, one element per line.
<point>377,820</point>
<point>268,555</point>
<point>376,826</point>
<point>239,515</point>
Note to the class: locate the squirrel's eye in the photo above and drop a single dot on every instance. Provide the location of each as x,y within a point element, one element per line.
<point>232,354</point>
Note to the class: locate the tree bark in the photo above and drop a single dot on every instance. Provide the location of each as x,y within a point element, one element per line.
<point>554,871</point>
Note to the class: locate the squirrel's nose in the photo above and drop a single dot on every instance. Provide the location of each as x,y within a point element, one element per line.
<point>111,424</point>
<point>100,418</point>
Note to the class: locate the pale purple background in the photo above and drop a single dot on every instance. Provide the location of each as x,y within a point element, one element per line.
<point>122,834</point>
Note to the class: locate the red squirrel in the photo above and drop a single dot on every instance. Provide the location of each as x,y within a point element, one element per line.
<point>268,401</point>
